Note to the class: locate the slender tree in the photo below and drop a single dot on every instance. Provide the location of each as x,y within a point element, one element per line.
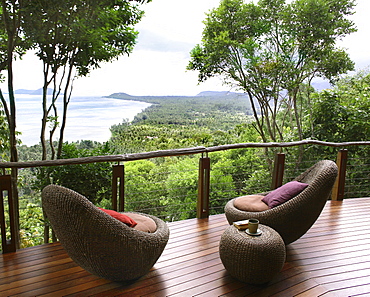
<point>270,50</point>
<point>11,45</point>
<point>71,38</point>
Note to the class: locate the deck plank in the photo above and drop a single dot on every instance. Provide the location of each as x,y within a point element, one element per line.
<point>326,261</point>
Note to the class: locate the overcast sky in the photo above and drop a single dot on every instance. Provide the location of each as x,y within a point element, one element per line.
<point>157,66</point>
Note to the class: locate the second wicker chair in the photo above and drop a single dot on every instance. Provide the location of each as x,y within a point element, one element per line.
<point>294,218</point>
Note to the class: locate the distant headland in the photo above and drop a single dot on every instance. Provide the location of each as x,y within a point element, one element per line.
<point>122,95</point>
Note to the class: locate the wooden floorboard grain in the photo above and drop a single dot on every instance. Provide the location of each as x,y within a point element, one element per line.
<point>326,261</point>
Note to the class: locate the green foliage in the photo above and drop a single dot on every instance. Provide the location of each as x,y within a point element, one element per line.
<point>31,222</point>
<point>343,113</point>
<point>238,167</point>
<point>259,181</point>
<point>92,180</point>
<point>11,43</point>
<point>31,225</point>
<point>143,188</point>
<point>4,136</point>
<point>269,49</point>
<point>182,187</point>
<point>141,138</point>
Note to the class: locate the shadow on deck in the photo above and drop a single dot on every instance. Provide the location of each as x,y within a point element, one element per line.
<point>327,261</point>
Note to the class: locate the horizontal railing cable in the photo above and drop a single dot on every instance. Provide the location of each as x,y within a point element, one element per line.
<point>171,153</point>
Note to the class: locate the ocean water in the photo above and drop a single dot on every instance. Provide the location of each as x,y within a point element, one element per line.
<point>88,118</point>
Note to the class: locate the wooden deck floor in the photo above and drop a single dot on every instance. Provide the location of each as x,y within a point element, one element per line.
<point>328,261</point>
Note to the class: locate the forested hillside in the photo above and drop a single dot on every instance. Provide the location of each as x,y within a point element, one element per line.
<point>210,118</point>
<point>211,109</point>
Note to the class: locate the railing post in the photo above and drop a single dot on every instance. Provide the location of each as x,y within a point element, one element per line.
<point>118,187</point>
<point>203,187</point>
<point>338,188</point>
<point>8,246</point>
<point>278,173</point>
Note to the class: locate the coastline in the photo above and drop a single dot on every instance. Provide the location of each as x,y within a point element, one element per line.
<point>88,117</point>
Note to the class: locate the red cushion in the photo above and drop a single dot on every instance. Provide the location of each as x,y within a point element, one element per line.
<point>120,217</point>
<point>284,193</point>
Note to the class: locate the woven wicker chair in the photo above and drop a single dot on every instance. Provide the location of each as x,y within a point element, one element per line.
<point>295,217</point>
<point>99,243</point>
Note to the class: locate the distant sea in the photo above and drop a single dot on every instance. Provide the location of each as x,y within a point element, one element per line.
<point>88,118</point>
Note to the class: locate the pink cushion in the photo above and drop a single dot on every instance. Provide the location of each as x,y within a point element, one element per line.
<point>284,193</point>
<point>120,217</point>
<point>250,203</point>
<point>144,223</point>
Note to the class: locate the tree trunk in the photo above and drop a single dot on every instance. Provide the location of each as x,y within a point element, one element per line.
<point>44,115</point>
<point>66,99</point>
<point>13,148</point>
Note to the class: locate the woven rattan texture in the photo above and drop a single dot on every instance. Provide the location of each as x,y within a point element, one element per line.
<point>252,259</point>
<point>295,217</point>
<point>99,243</point>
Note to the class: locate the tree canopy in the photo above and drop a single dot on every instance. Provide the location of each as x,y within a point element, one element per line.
<point>270,49</point>
<point>344,111</point>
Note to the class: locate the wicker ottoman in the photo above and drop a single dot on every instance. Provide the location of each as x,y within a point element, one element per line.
<point>252,259</point>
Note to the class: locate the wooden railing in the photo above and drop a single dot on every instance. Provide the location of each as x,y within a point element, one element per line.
<point>8,245</point>
<point>6,189</point>
<point>172,153</point>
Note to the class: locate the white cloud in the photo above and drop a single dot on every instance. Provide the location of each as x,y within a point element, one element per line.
<point>357,44</point>
<point>157,66</point>
<point>147,73</point>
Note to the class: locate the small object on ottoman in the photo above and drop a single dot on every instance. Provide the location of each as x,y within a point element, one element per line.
<point>252,259</point>
<point>241,225</point>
